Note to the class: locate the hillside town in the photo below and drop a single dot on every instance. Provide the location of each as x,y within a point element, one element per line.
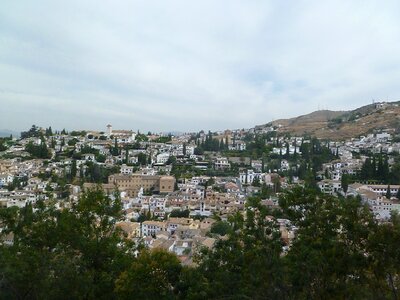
<point>179,191</point>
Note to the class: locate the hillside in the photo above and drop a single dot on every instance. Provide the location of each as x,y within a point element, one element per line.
<point>339,125</point>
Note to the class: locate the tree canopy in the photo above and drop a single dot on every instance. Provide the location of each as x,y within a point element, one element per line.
<point>339,252</point>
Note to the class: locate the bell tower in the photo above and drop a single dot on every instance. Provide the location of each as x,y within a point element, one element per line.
<point>109,130</point>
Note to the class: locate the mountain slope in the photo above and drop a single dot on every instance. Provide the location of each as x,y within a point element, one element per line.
<point>340,125</point>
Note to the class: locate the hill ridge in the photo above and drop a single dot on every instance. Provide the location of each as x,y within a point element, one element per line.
<point>340,125</point>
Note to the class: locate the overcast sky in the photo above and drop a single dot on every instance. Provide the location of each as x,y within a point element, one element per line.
<point>190,65</point>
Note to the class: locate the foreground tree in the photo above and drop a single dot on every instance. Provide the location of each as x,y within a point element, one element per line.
<point>57,254</point>
<point>152,275</point>
<point>245,265</point>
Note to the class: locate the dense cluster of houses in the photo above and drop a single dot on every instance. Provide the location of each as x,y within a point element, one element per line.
<point>150,194</point>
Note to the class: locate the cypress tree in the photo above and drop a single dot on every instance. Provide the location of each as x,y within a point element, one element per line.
<point>374,171</point>
<point>388,193</point>
<point>73,169</point>
<point>287,150</point>
<point>222,145</point>
<point>385,170</point>
<point>262,164</point>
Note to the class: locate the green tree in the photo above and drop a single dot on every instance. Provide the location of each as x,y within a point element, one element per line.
<point>244,265</point>
<point>38,151</point>
<point>345,183</point>
<point>176,213</point>
<point>142,159</point>
<point>58,254</point>
<point>184,149</point>
<point>256,181</point>
<point>33,132</point>
<point>115,149</point>
<point>73,169</point>
<point>152,275</point>
<point>126,156</point>
<point>221,228</point>
<point>388,193</point>
<point>331,241</point>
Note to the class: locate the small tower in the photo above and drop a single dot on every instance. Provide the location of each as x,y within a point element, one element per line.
<point>109,130</point>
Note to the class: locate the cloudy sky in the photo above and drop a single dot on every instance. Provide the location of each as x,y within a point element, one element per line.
<point>188,65</point>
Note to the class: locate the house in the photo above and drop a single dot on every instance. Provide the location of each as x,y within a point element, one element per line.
<point>284,165</point>
<point>122,136</point>
<point>152,227</point>
<point>248,176</point>
<point>5,179</point>
<point>162,158</point>
<point>182,247</point>
<point>130,229</point>
<point>257,165</point>
<point>174,223</point>
<point>238,146</point>
<point>126,170</point>
<point>221,163</point>
<point>89,157</point>
<point>330,187</point>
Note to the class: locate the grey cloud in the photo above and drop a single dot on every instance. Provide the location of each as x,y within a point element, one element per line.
<point>190,65</point>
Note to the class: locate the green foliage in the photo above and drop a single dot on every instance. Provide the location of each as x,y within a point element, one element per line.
<point>141,137</point>
<point>335,121</point>
<point>152,275</point>
<point>38,151</point>
<point>16,184</point>
<point>377,168</point>
<point>4,143</point>
<point>73,169</point>
<point>176,213</point>
<point>210,144</point>
<point>33,132</point>
<point>388,193</point>
<point>142,159</point>
<point>327,260</point>
<point>98,173</point>
<point>171,160</point>
<point>221,228</point>
<point>245,265</point>
<point>89,150</point>
<point>73,253</point>
<point>78,133</point>
<point>72,142</point>
<point>339,252</point>
<point>101,158</point>
<point>345,182</point>
<point>163,139</point>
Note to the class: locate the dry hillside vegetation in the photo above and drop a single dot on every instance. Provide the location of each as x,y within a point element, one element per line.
<point>340,125</point>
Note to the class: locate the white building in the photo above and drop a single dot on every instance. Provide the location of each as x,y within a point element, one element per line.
<point>221,163</point>
<point>162,158</point>
<point>126,170</point>
<point>248,176</point>
<point>152,227</point>
<point>330,187</point>
<point>6,179</point>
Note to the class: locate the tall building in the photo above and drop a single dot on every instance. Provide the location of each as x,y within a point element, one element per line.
<point>131,184</point>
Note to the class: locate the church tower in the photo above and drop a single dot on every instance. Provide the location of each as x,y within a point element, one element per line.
<point>109,130</point>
